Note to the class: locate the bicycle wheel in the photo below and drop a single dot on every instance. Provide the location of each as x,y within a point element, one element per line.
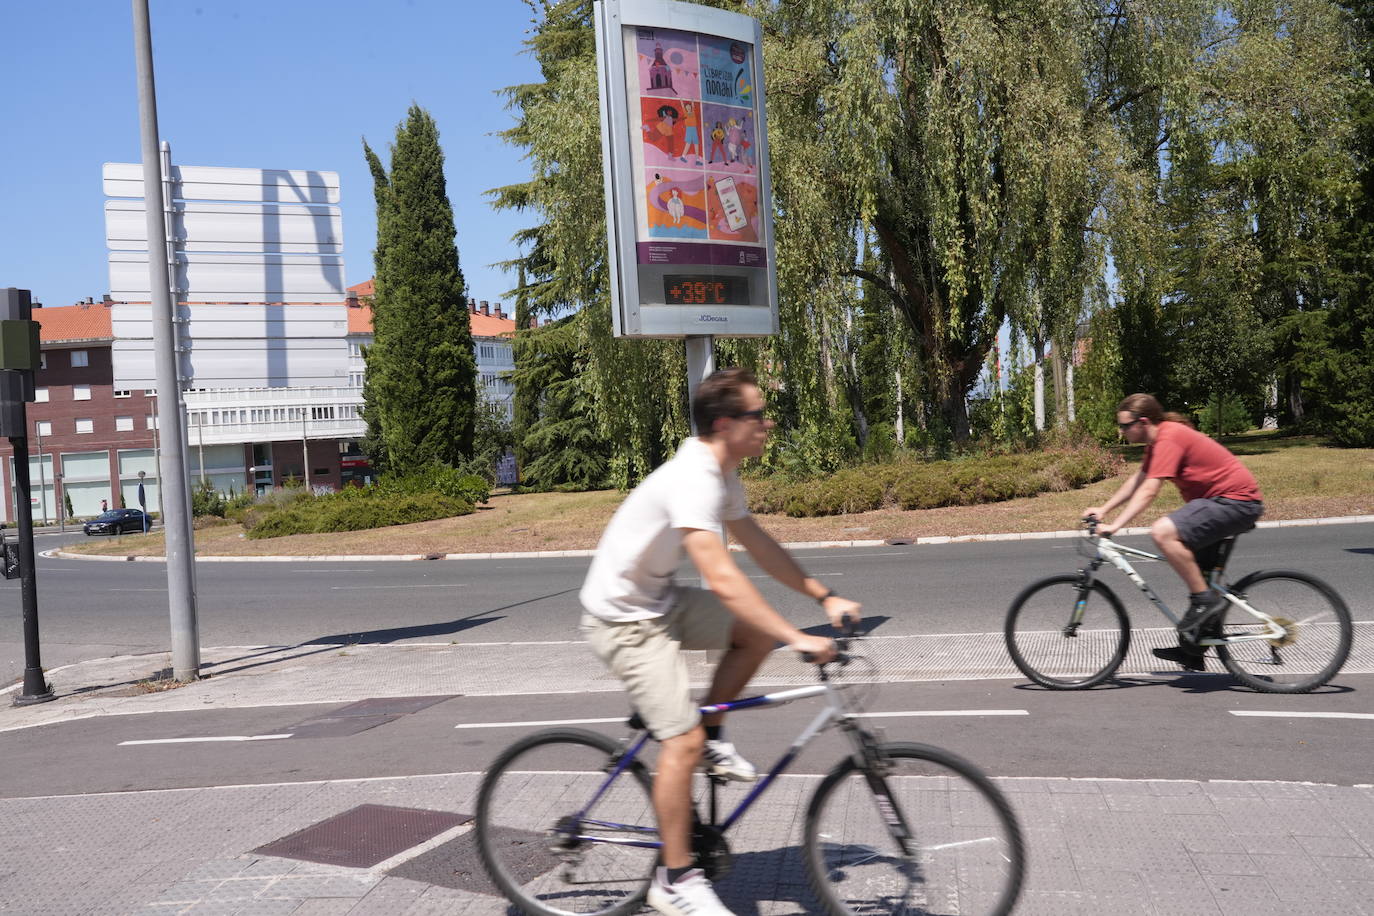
<point>1316,640</point>
<point>1048,652</point>
<point>537,851</point>
<point>969,858</point>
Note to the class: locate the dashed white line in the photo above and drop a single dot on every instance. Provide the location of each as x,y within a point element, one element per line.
<point>199,740</point>
<point>1278,714</point>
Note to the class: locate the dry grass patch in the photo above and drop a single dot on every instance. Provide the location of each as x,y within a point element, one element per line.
<point>1300,479</point>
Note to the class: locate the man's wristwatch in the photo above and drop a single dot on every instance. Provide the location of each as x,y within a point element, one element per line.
<point>829,593</point>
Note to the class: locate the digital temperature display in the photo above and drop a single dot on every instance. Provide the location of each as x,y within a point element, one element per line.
<point>689,289</point>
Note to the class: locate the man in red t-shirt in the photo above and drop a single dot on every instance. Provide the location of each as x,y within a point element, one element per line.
<point>1221,499</point>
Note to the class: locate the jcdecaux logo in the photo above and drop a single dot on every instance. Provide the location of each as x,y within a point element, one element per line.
<point>712,318</point>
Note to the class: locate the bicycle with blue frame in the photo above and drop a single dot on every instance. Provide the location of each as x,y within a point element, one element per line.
<point>1280,631</point>
<point>565,823</point>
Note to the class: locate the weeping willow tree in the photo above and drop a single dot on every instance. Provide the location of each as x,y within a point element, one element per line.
<point>960,168</point>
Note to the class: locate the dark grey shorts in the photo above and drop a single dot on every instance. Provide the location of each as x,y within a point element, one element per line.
<point>1203,522</point>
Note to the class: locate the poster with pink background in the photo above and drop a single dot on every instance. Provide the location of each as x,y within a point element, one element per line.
<point>668,66</point>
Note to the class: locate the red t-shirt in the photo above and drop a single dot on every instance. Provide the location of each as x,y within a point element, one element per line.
<point>1200,466</point>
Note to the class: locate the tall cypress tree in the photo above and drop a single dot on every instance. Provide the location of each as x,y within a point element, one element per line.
<point>420,391</point>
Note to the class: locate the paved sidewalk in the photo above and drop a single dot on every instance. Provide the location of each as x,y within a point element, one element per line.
<point>1097,846</point>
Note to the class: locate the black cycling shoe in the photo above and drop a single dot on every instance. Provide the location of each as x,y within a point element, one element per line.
<point>1192,659</point>
<point>1197,616</point>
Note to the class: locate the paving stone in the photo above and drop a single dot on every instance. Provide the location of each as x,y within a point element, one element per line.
<point>1178,895</point>
<point>304,886</point>
<point>324,906</point>
<point>1332,846</point>
<point>1244,895</point>
<point>1211,863</point>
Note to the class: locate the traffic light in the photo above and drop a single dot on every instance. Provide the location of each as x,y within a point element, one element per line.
<point>19,357</point>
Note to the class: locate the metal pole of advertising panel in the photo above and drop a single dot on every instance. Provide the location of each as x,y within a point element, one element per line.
<point>172,466</point>
<point>701,362</point>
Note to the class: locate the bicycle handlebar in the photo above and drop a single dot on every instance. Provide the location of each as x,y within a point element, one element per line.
<point>848,630</point>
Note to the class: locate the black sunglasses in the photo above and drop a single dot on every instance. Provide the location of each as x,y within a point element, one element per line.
<point>750,415</point>
<point>1125,426</point>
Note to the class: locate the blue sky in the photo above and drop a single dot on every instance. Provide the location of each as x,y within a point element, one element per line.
<point>286,84</point>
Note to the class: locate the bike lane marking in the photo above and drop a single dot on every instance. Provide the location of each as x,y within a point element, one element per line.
<point>865,715</point>
<point>197,740</point>
<point>1279,714</point>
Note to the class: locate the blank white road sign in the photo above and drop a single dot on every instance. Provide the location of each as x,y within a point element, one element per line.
<point>238,346</point>
<point>243,227</point>
<point>198,182</point>
<point>228,277</point>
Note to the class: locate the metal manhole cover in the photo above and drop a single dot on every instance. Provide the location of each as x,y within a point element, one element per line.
<point>363,836</point>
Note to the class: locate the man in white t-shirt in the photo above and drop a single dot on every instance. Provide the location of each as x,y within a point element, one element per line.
<point>638,620</point>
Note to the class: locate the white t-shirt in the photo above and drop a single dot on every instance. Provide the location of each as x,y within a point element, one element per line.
<point>631,577</point>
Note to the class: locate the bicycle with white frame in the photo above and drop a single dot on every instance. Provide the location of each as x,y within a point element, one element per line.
<point>1281,630</point>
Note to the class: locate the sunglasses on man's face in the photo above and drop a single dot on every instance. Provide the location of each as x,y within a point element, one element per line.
<point>750,415</point>
<point>1125,426</point>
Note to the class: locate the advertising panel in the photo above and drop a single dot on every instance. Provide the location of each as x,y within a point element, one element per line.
<point>688,201</point>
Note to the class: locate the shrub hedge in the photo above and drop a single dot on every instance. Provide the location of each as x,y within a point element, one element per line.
<point>352,509</point>
<point>912,484</point>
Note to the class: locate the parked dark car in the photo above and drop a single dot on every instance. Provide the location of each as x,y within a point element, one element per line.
<point>115,521</point>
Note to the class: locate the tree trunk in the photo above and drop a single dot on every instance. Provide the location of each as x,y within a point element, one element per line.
<point>1038,355</point>
<point>1061,406</point>
<point>1068,390</point>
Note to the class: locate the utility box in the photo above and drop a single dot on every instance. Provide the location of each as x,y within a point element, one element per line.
<point>19,345</point>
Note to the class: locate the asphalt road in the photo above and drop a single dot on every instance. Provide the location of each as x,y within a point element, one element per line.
<point>89,609</point>
<point>1159,727</point>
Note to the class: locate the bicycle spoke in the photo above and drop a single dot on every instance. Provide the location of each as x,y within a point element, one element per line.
<point>1047,645</point>
<point>967,857</point>
<point>540,854</point>
<point>1315,639</point>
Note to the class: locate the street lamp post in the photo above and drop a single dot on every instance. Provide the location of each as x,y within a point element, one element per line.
<point>143,500</point>
<point>42,483</point>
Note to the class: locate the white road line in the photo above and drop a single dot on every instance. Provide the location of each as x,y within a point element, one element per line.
<point>387,865</point>
<point>944,712</point>
<point>542,722</point>
<point>198,740</point>
<point>867,715</point>
<point>357,588</point>
<point>1277,714</point>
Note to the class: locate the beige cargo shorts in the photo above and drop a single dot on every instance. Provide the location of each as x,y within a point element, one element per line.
<point>647,656</point>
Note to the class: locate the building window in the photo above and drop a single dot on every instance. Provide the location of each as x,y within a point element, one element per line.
<point>150,392</point>
<point>486,352</point>
<point>85,426</point>
<point>40,395</point>
<point>152,422</point>
<point>124,424</point>
<point>79,359</point>
<point>81,392</point>
<point>123,393</point>
<point>44,427</point>
<point>42,360</point>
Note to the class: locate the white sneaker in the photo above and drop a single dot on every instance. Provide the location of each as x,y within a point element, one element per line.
<point>692,895</point>
<point>724,761</point>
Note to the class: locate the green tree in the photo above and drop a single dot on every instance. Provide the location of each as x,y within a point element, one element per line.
<point>563,441</point>
<point>1345,360</point>
<point>420,390</point>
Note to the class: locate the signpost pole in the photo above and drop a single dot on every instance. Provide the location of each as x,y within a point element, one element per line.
<point>172,465</point>
<point>36,687</point>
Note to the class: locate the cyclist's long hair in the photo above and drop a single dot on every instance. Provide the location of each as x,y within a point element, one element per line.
<point>1146,405</point>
